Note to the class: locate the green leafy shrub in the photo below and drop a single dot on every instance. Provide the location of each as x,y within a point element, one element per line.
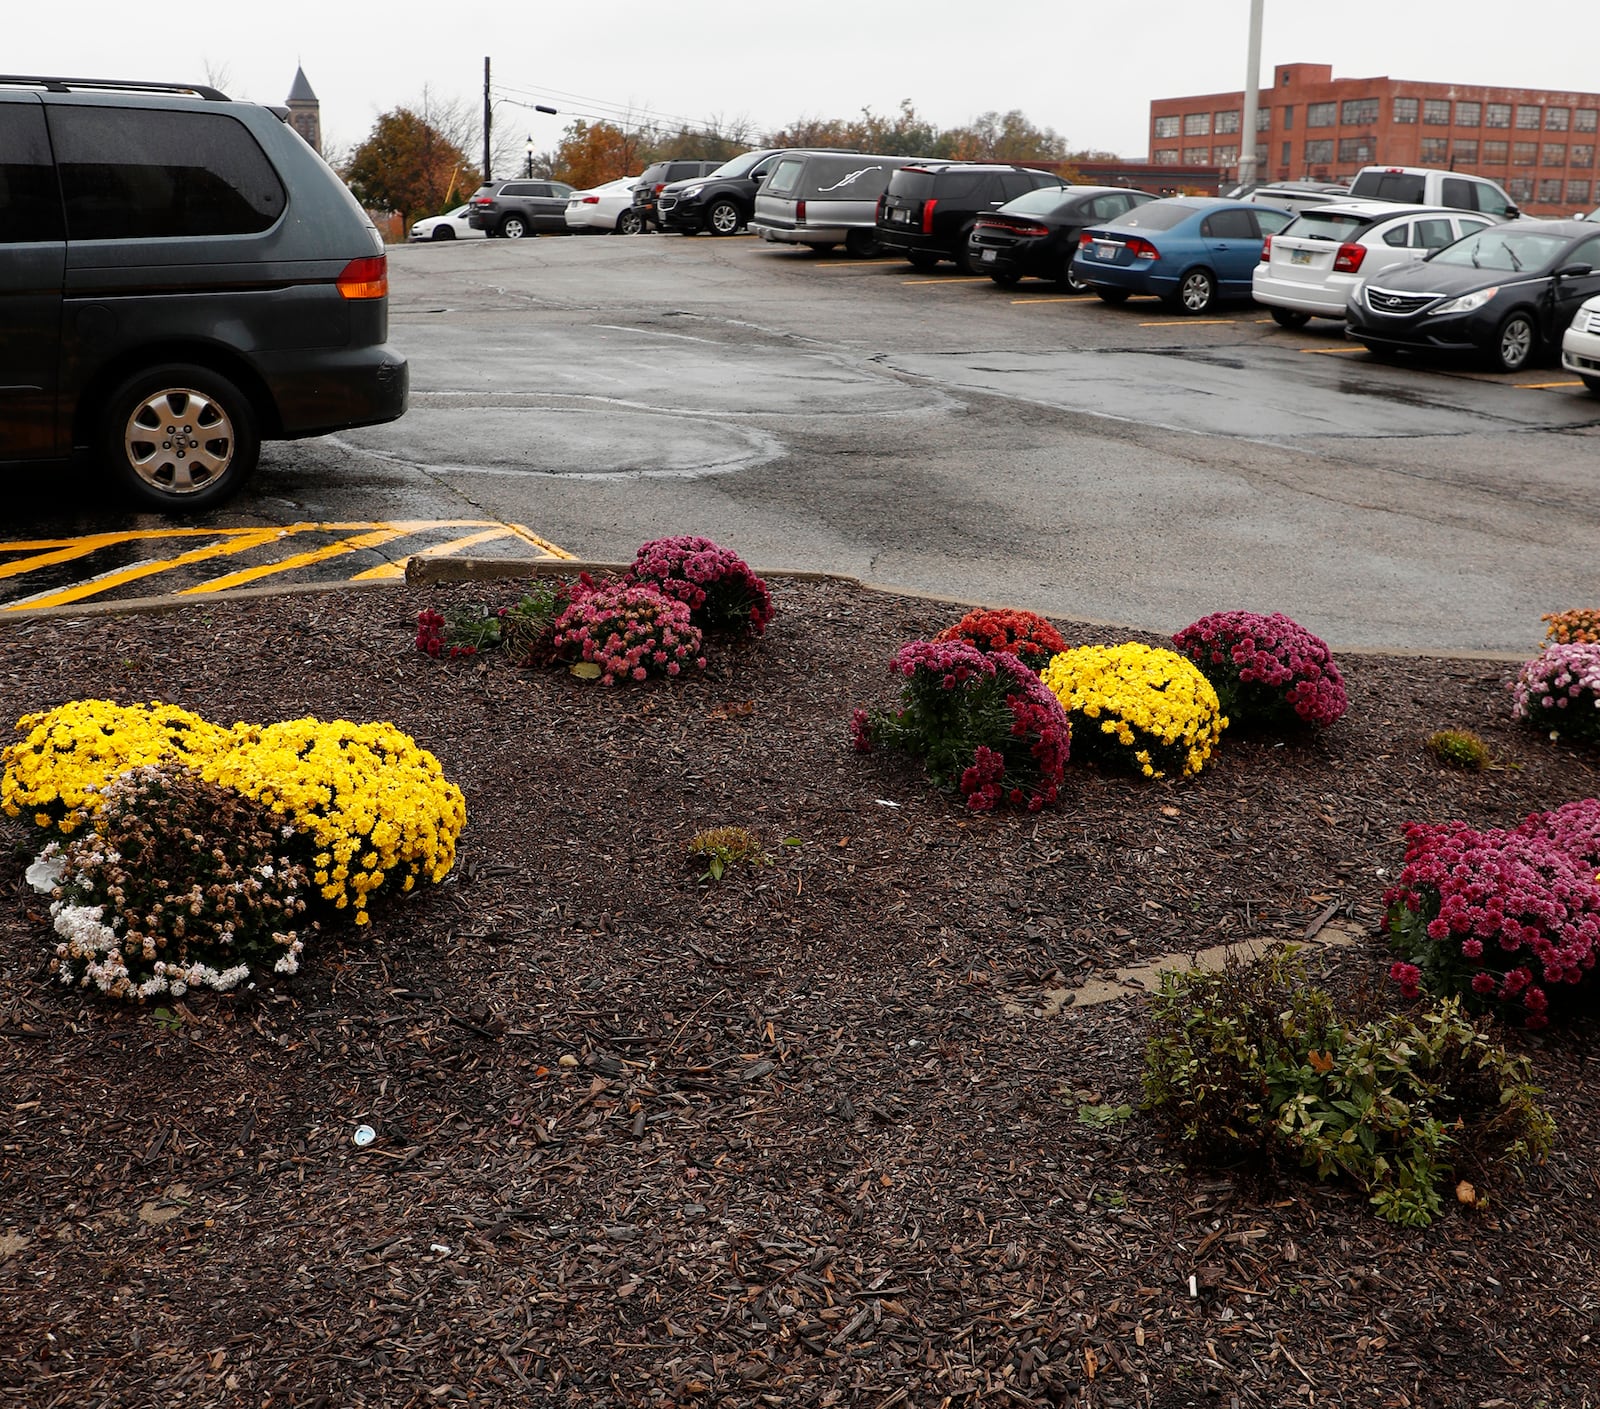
<point>1255,1062</point>
<point>722,847</point>
<point>1459,748</point>
<point>177,883</point>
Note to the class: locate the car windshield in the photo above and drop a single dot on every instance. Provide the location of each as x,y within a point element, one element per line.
<point>1326,225</point>
<point>1158,215</point>
<point>1501,247</point>
<point>740,166</point>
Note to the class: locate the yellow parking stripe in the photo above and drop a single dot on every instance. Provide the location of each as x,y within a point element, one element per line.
<point>1188,322</point>
<point>953,279</point>
<point>300,560</point>
<point>854,264</point>
<point>1331,351</point>
<point>1543,386</point>
<point>387,571</point>
<point>1049,298</point>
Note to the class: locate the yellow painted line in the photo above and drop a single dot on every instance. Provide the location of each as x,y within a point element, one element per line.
<point>1188,322</point>
<point>374,539</point>
<point>953,279</point>
<point>1331,351</point>
<point>1542,386</point>
<point>387,571</point>
<point>825,263</point>
<point>1045,298</point>
<point>94,586</point>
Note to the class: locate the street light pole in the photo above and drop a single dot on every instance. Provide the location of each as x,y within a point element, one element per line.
<point>1252,99</point>
<point>528,165</point>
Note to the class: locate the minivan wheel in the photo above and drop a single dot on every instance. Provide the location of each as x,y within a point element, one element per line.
<point>512,227</point>
<point>722,218</point>
<point>863,244</point>
<point>179,437</point>
<point>1288,318</point>
<point>630,222</point>
<point>1197,292</point>
<point>1515,343</point>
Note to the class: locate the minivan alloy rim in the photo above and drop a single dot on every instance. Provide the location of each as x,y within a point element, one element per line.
<point>179,440</point>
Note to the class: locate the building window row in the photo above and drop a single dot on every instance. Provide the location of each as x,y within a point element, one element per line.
<point>1319,152</point>
<point>1197,124</point>
<point>1197,156</point>
<point>1227,122</point>
<point>1436,112</point>
<point>1167,126</point>
<point>1166,156</point>
<point>1321,114</point>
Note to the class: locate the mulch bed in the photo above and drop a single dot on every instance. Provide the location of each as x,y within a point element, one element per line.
<point>800,1137</point>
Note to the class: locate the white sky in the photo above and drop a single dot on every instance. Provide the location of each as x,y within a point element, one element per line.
<point>1087,69</point>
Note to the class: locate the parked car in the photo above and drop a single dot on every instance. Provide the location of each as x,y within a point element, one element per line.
<point>720,202</point>
<point>1189,251</point>
<point>1037,234</point>
<point>601,207</point>
<point>1506,294</point>
<point>182,278</point>
<point>1580,345</point>
<point>1295,195</point>
<point>928,211</point>
<point>515,209</point>
<point>650,183</point>
<point>452,225</point>
<point>1429,185</point>
<point>1309,269</point>
<point>823,199</point>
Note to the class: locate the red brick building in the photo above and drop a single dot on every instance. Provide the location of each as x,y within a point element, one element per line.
<point>1540,145</point>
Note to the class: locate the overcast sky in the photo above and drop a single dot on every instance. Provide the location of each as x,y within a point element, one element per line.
<point>1087,69</point>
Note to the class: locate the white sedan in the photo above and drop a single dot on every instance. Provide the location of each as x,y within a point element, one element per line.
<point>452,225</point>
<point>1580,347</point>
<point>1308,269</point>
<point>607,208</point>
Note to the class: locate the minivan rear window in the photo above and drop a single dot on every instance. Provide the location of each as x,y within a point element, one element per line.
<point>129,174</point>
<point>1326,225</point>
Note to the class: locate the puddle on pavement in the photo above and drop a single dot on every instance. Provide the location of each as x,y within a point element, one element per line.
<point>1146,977</point>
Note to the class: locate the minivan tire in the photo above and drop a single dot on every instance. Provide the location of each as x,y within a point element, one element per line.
<point>512,228</point>
<point>203,454</point>
<point>1290,318</point>
<point>723,218</point>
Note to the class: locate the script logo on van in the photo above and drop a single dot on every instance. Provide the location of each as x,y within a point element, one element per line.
<point>847,180</point>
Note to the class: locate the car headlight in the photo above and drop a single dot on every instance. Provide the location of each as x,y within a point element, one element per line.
<point>1467,303</point>
<point>689,191</point>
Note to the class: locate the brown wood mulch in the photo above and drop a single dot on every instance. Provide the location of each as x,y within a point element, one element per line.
<point>798,1138</point>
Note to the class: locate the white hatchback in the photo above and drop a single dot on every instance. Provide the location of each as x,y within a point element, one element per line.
<point>1309,268</point>
<point>1580,346</point>
<point>452,225</point>
<point>602,207</point>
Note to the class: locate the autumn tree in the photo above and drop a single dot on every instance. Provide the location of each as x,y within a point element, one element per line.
<point>414,163</point>
<point>592,153</point>
<point>1007,137</point>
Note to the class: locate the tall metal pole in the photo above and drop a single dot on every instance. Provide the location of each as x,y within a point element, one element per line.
<point>487,118</point>
<point>1252,99</point>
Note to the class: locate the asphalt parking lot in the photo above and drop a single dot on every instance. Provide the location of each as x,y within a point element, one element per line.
<point>935,432</point>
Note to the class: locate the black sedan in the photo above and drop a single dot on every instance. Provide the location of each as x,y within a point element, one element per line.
<point>1037,233</point>
<point>1505,294</point>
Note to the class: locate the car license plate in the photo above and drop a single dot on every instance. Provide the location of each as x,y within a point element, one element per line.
<point>1299,256</point>
<point>1105,251</point>
<point>987,255</point>
<point>903,216</point>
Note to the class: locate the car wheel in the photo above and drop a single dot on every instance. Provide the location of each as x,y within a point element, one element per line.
<point>823,248</point>
<point>964,260</point>
<point>1068,279</point>
<point>443,232</point>
<point>179,437</point>
<point>923,261</point>
<point>1006,281</point>
<point>1288,318</point>
<point>630,222</point>
<point>1593,383</point>
<point>1112,296</point>
<point>1197,292</point>
<point>722,218</point>
<point>863,244</point>
<point>1515,343</point>
<point>513,228</point>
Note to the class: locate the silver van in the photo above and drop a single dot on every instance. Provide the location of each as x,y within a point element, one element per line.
<point>823,199</point>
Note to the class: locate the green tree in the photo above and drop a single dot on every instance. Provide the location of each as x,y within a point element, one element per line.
<point>411,165</point>
<point>1007,137</point>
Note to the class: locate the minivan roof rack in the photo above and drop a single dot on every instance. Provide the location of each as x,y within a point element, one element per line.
<point>67,85</point>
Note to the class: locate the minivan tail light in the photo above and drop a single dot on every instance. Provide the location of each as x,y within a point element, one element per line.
<point>1266,249</point>
<point>927,216</point>
<point>1349,258</point>
<point>365,278</point>
<point>799,212</point>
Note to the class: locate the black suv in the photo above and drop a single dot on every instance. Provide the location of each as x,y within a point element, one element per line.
<point>512,209</point>
<point>181,277</point>
<point>928,211</point>
<point>721,202</point>
<point>642,214</point>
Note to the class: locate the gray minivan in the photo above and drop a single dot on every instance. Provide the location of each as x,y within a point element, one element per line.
<point>181,278</point>
<point>823,199</point>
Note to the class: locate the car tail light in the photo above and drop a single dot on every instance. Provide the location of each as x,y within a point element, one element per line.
<point>483,200</point>
<point>799,212</point>
<point>1142,249</point>
<point>656,190</point>
<point>1266,249</point>
<point>591,200</point>
<point>365,278</point>
<point>1085,240</point>
<point>1349,258</point>
<point>927,216</point>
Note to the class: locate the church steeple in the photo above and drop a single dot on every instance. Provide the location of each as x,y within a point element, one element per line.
<point>305,111</point>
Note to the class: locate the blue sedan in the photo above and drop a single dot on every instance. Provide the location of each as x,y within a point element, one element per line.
<point>1189,251</point>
